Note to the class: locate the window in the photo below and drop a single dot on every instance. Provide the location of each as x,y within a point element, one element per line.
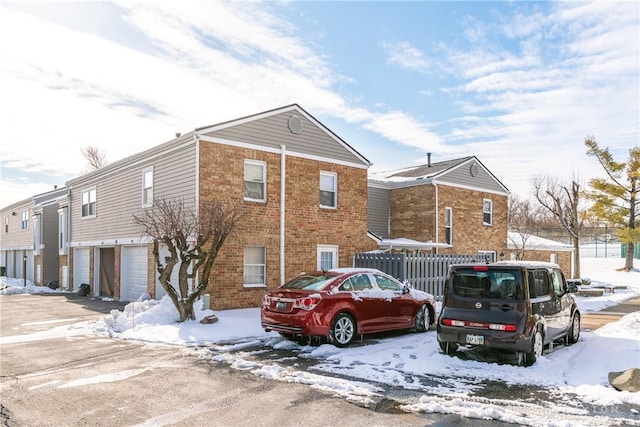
<point>62,231</point>
<point>254,266</point>
<point>486,256</point>
<point>538,283</point>
<point>359,282</point>
<point>327,257</point>
<point>37,236</point>
<point>448,225</point>
<point>556,276</point>
<point>89,203</point>
<point>387,284</point>
<point>553,258</point>
<point>255,177</point>
<point>328,190</point>
<point>487,212</point>
<point>24,223</point>
<point>147,188</point>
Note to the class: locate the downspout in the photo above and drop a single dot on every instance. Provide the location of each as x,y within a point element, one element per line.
<point>283,186</point>
<point>197,197</point>
<point>437,237</point>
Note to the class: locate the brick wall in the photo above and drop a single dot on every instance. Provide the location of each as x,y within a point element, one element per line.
<point>413,217</point>
<point>564,258</point>
<point>470,235</point>
<point>307,225</point>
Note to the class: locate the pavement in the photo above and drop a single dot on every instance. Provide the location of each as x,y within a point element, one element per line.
<point>597,319</point>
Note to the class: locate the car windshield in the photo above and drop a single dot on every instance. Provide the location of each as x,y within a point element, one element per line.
<point>493,284</point>
<point>309,282</point>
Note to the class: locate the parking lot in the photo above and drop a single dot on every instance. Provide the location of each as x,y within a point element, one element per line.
<point>93,380</point>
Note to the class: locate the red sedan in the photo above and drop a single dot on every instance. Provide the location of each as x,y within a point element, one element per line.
<point>342,303</point>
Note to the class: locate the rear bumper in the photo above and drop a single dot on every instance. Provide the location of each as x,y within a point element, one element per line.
<point>516,341</point>
<point>299,324</point>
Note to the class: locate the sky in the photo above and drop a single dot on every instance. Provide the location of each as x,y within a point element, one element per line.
<point>576,376</point>
<point>520,85</point>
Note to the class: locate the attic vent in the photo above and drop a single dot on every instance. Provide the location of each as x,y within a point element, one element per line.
<point>295,124</point>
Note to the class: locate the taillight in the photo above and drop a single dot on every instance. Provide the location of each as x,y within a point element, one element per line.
<point>307,303</point>
<point>480,268</point>
<point>479,325</point>
<point>502,327</point>
<point>266,300</point>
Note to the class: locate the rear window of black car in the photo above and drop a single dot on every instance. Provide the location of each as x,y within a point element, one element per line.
<point>492,284</point>
<point>309,282</point>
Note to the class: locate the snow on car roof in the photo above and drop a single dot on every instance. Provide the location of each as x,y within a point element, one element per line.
<point>345,270</point>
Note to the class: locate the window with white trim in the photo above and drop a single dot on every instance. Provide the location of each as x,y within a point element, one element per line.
<point>487,212</point>
<point>327,257</point>
<point>448,225</point>
<point>254,266</point>
<point>255,177</point>
<point>62,231</point>
<point>24,223</point>
<point>328,190</point>
<point>486,256</point>
<point>147,187</point>
<point>89,203</point>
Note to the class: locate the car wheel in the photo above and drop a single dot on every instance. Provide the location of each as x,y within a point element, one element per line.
<point>423,319</point>
<point>574,330</point>
<point>343,330</point>
<point>448,347</point>
<point>528,358</point>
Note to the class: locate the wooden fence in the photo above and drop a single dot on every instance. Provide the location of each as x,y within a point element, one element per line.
<point>426,272</point>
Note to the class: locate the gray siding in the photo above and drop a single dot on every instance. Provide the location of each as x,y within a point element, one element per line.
<point>482,181</point>
<point>16,238</point>
<point>49,228</point>
<point>274,130</point>
<point>119,192</point>
<point>379,204</point>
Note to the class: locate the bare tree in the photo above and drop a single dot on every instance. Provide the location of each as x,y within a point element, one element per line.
<point>563,202</point>
<point>96,158</point>
<point>193,240</point>
<point>524,218</point>
<point>615,198</point>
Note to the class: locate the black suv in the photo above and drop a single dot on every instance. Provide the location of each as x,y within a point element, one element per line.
<point>513,305</point>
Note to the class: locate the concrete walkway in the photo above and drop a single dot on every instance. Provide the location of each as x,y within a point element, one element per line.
<point>597,319</point>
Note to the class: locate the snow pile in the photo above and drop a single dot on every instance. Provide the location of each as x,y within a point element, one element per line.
<point>11,286</point>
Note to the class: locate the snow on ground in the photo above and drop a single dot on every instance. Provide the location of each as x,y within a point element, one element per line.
<point>403,360</point>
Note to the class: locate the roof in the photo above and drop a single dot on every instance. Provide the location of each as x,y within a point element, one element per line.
<point>515,241</point>
<point>417,172</point>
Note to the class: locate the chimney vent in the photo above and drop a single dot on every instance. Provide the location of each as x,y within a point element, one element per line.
<point>429,160</point>
<point>178,134</point>
<point>55,186</point>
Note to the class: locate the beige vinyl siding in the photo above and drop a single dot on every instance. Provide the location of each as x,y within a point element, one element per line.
<point>462,177</point>
<point>119,194</point>
<point>379,202</point>
<point>17,238</point>
<point>274,131</point>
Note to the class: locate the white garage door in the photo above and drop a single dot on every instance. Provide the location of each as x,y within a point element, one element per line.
<point>80,267</point>
<point>133,277</point>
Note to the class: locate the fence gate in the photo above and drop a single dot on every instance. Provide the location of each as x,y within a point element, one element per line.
<point>426,272</point>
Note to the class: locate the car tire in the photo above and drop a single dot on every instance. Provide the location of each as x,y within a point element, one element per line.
<point>448,347</point>
<point>528,358</point>
<point>423,319</point>
<point>286,335</point>
<point>343,330</point>
<point>574,329</point>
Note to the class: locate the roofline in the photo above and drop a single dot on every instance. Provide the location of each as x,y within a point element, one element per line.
<point>274,111</point>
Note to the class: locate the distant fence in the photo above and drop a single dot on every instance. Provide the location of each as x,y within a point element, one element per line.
<point>426,272</point>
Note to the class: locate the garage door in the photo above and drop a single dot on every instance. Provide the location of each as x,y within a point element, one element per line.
<point>80,267</point>
<point>133,276</point>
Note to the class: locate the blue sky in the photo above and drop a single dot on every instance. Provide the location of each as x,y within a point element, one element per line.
<point>517,84</point>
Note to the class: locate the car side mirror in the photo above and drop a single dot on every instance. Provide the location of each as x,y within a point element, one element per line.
<point>572,286</point>
<point>406,289</point>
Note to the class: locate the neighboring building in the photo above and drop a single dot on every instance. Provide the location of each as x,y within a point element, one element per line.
<point>458,205</point>
<point>303,188</point>
<point>16,240</point>
<point>49,237</point>
<point>521,246</point>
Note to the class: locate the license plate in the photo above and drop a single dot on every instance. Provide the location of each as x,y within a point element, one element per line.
<point>281,306</point>
<point>475,339</point>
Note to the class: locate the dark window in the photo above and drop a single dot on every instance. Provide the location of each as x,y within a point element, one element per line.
<point>538,283</point>
<point>497,284</point>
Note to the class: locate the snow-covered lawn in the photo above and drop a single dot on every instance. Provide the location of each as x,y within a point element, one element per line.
<point>578,374</point>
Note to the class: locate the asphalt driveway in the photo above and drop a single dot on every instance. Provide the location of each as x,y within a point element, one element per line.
<point>76,379</point>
